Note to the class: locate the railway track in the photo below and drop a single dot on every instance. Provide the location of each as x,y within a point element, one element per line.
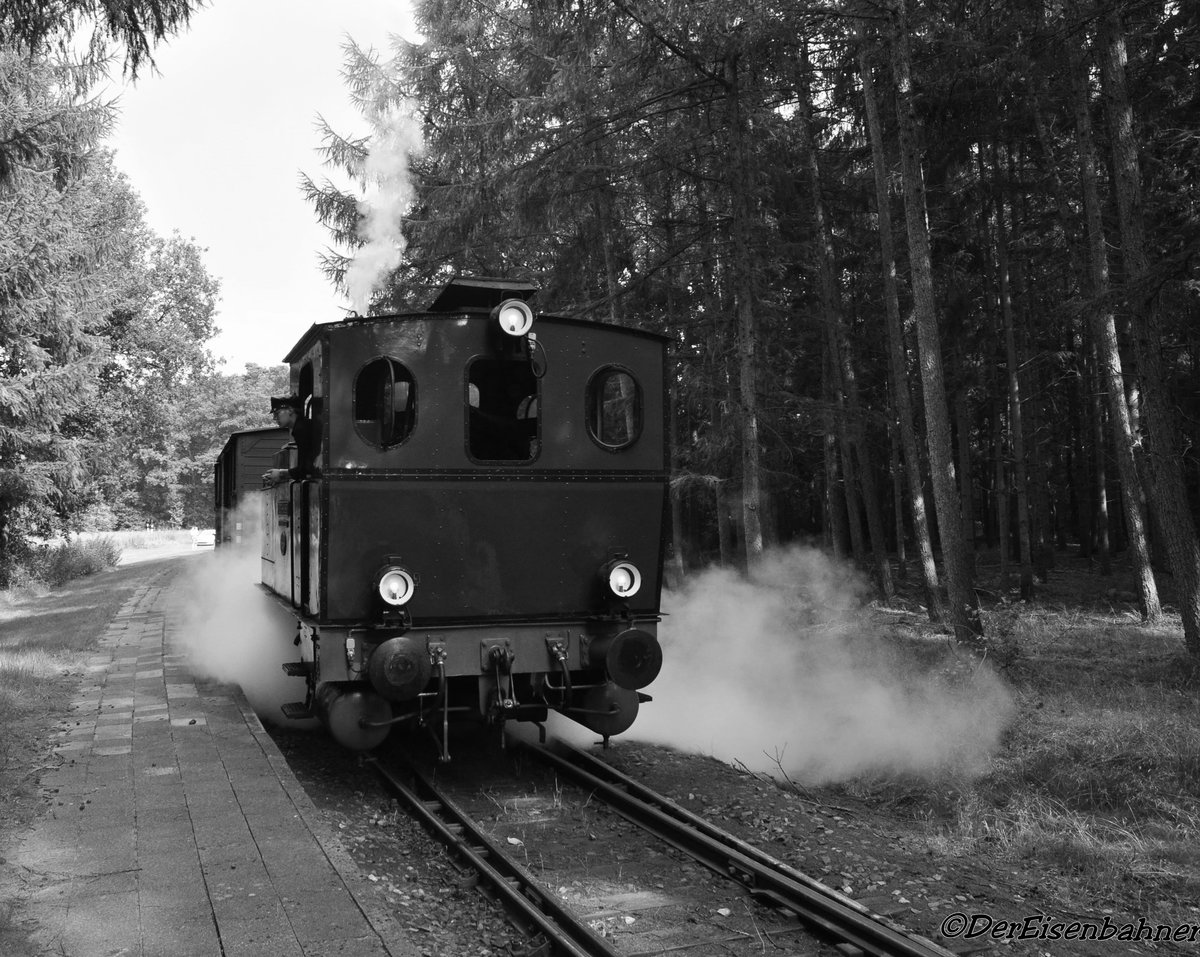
<point>556,930</point>
<point>767,880</point>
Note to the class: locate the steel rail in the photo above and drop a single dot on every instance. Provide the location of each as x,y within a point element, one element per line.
<point>767,879</point>
<point>531,909</point>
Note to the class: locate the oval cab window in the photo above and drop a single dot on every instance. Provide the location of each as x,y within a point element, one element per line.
<point>614,408</point>
<point>385,403</point>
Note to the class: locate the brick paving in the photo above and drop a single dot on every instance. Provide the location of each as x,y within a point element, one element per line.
<point>176,828</point>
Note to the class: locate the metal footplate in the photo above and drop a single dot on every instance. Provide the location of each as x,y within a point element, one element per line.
<point>296,710</point>
<point>298,669</point>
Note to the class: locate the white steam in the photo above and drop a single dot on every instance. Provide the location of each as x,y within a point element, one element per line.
<point>233,631</point>
<point>781,670</point>
<point>390,191</point>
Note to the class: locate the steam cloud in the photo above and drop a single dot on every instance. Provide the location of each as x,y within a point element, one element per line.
<point>234,632</point>
<point>778,669</point>
<point>783,664</point>
<point>390,192</point>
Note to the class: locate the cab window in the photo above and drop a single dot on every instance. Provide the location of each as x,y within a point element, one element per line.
<point>502,410</point>
<point>385,403</point>
<point>614,408</point>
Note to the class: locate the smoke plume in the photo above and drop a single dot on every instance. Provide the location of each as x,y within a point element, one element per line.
<point>390,192</point>
<point>232,630</point>
<point>780,670</point>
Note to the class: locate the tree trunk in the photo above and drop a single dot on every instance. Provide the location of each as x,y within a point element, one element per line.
<point>678,532</point>
<point>679,556</point>
<point>1100,476</point>
<point>602,209</point>
<point>839,347</point>
<point>964,608</point>
<point>835,501</point>
<point>1164,452</point>
<point>1041,510</point>
<point>897,357</point>
<point>1002,518</point>
<point>858,543</point>
<point>1015,418</point>
<point>725,533</point>
<point>963,416</point>
<point>1104,337</point>
<point>747,342</point>
<point>898,504</point>
<point>835,397</point>
<point>1084,511</point>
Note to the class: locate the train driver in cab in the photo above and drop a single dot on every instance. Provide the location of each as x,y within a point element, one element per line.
<point>288,412</point>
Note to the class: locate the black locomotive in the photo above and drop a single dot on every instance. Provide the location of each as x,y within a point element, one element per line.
<point>482,533</point>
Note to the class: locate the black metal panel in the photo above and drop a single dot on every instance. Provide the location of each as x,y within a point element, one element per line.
<point>436,350</point>
<point>298,533</point>
<point>310,380</point>
<point>317,495</point>
<point>488,548</point>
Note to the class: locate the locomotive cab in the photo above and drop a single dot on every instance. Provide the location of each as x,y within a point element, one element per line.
<point>482,532</point>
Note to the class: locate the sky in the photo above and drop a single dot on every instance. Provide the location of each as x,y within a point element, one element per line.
<point>215,142</point>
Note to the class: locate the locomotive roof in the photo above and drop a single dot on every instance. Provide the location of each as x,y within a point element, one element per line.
<point>480,292</point>
<point>316,329</point>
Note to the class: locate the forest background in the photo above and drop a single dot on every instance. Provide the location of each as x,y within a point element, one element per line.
<point>929,270</point>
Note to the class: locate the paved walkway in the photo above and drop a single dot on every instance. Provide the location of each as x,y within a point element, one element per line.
<point>176,828</point>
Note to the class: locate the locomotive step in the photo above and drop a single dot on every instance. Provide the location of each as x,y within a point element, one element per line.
<point>296,710</point>
<point>298,669</point>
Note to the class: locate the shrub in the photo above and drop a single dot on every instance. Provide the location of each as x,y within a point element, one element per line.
<point>65,561</point>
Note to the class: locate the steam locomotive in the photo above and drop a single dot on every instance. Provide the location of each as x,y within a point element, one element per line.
<point>482,532</point>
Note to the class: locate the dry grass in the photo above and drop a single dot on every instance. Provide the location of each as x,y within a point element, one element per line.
<point>139,538</point>
<point>1099,775</point>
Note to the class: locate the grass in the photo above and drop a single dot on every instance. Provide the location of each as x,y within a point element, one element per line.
<point>1099,775</point>
<point>56,563</point>
<point>23,671</point>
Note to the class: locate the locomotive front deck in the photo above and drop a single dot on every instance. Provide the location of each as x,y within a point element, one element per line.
<point>485,520</point>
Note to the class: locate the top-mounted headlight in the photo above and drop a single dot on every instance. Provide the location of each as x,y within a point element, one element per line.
<point>514,317</point>
<point>623,578</point>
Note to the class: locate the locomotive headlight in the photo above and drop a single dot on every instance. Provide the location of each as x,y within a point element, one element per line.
<point>623,578</point>
<point>514,317</point>
<point>396,585</point>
